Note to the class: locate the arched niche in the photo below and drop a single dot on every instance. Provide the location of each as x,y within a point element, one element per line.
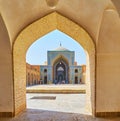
<point>60,63</point>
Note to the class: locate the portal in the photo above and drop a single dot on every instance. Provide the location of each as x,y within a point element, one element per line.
<point>61,72</point>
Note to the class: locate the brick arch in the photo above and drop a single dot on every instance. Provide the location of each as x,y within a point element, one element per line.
<point>38,29</point>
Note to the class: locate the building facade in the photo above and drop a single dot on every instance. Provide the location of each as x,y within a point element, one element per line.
<point>32,74</point>
<point>61,68</point>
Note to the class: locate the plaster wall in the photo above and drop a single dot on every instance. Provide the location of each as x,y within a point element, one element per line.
<point>108,64</point>
<point>6,80</point>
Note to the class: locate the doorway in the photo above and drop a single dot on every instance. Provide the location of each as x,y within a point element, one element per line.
<point>21,45</point>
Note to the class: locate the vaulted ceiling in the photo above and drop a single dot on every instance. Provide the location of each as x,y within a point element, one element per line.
<point>17,14</point>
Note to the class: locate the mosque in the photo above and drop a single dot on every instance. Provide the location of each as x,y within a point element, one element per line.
<point>61,68</point>
<point>95,24</point>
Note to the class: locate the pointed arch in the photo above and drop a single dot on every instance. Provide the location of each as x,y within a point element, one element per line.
<point>60,62</point>
<point>38,29</point>
<point>57,58</point>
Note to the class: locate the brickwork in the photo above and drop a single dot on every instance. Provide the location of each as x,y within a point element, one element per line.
<point>32,74</point>
<point>37,30</point>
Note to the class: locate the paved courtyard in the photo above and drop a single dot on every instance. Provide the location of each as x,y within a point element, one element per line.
<point>70,103</point>
<point>56,107</point>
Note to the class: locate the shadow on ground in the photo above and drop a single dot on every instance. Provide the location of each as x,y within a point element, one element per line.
<point>44,115</point>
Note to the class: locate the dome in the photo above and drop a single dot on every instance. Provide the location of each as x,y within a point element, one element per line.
<point>61,49</point>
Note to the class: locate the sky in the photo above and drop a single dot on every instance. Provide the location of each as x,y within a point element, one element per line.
<point>37,52</point>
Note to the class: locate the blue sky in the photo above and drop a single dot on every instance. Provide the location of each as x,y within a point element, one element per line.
<point>37,52</point>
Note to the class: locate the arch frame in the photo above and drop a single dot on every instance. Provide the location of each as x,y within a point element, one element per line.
<point>55,67</point>
<point>38,29</point>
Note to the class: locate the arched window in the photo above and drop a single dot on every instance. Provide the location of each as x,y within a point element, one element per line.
<point>76,80</point>
<point>28,79</point>
<point>32,81</point>
<point>60,69</point>
<point>45,70</point>
<point>76,70</point>
<point>45,79</point>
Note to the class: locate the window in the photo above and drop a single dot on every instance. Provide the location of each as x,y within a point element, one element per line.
<point>45,70</point>
<point>76,80</point>
<point>60,69</point>
<point>76,70</point>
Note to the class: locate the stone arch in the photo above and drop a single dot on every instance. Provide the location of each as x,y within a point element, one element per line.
<point>36,30</point>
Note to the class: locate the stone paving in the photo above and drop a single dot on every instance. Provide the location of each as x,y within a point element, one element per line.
<point>70,103</point>
<point>66,107</point>
<point>44,115</point>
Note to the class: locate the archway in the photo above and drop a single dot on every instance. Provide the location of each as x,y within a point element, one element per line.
<point>32,33</point>
<point>60,70</point>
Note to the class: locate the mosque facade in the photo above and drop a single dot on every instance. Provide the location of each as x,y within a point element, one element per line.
<point>61,68</point>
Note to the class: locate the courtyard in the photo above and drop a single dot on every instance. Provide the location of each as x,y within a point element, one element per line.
<point>93,24</point>
<point>56,107</point>
<point>68,103</point>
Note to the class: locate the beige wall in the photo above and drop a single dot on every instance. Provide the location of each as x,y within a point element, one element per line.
<point>108,64</point>
<point>32,74</point>
<point>98,18</point>
<point>6,81</point>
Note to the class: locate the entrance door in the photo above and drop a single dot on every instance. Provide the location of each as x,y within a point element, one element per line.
<point>60,72</point>
<point>45,80</point>
<point>60,69</point>
<point>60,77</point>
<point>76,80</point>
